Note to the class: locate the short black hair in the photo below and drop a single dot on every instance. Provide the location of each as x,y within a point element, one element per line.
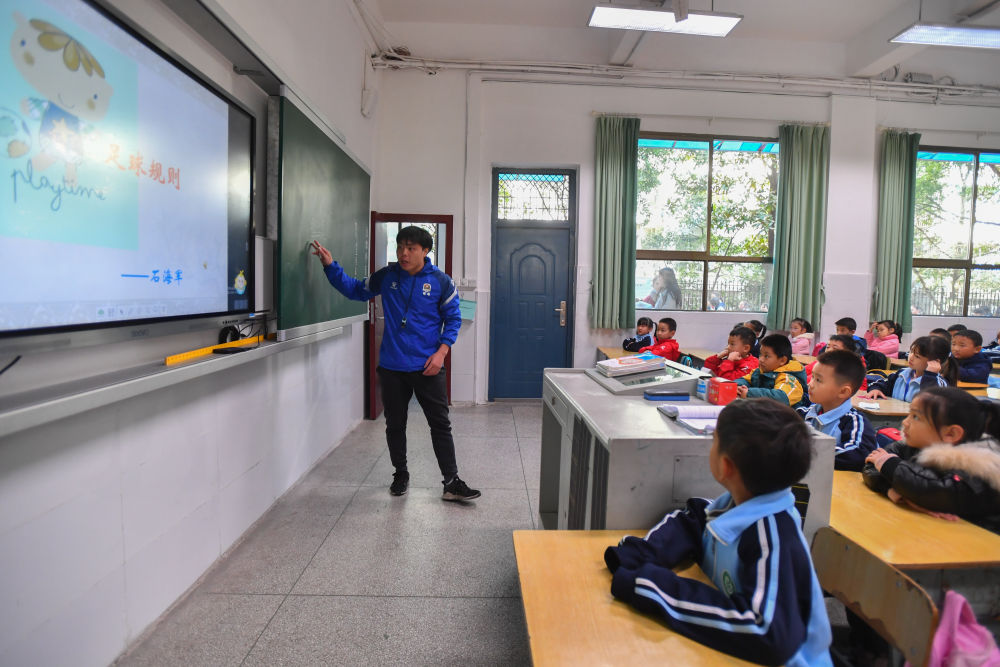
<point>974,336</point>
<point>745,334</point>
<point>805,324</point>
<point>935,348</point>
<point>780,345</point>
<point>644,322</point>
<point>414,234</point>
<point>757,326</point>
<point>956,327</point>
<point>847,340</point>
<point>847,322</point>
<point>670,322</point>
<point>846,366</point>
<point>768,442</point>
<point>942,333</point>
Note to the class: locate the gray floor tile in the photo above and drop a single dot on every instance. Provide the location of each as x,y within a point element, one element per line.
<point>418,544</point>
<point>273,556</point>
<point>206,629</point>
<point>528,420</point>
<point>496,423</point>
<point>352,460</point>
<point>394,631</point>
<point>484,463</point>
<point>533,503</point>
<point>531,460</point>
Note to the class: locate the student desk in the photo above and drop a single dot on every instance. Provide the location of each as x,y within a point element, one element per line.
<point>898,363</point>
<point>890,413</point>
<point>936,553</point>
<point>699,354</point>
<point>804,359</point>
<point>974,388</point>
<point>571,616</point>
<point>612,353</point>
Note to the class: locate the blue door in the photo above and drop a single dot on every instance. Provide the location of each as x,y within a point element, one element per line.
<point>532,297</point>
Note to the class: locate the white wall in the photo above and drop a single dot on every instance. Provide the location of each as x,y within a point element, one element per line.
<point>107,517</point>
<point>526,121</point>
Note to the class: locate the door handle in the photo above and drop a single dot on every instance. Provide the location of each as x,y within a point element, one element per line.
<point>562,313</point>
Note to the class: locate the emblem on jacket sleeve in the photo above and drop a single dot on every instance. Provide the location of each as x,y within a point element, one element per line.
<point>427,289</point>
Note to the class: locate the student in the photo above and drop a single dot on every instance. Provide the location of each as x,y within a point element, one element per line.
<point>735,361</point>
<point>955,328</point>
<point>665,345</point>
<point>841,342</point>
<point>967,354</point>
<point>642,338</point>
<point>835,379</point>
<point>766,605</point>
<point>993,344</point>
<point>779,376</point>
<point>948,463</point>
<point>801,335</point>
<point>926,368</point>
<point>848,326</point>
<point>760,330</point>
<point>941,333</point>
<point>884,337</point>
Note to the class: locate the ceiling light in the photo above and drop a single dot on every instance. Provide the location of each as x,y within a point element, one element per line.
<point>939,34</point>
<point>711,24</point>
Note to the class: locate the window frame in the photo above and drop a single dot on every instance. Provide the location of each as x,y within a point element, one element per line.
<point>705,256</point>
<point>954,264</point>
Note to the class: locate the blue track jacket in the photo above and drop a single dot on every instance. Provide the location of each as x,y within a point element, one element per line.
<point>767,606</point>
<point>975,369</point>
<point>421,311</point>
<point>854,435</point>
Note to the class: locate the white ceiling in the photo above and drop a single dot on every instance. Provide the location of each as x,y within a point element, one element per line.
<point>810,37</point>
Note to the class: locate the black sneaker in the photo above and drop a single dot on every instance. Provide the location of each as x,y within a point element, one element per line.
<point>456,489</point>
<point>400,483</point>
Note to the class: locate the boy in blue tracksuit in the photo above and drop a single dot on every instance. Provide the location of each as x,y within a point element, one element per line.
<point>966,350</point>
<point>836,377</point>
<point>766,606</point>
<point>422,319</point>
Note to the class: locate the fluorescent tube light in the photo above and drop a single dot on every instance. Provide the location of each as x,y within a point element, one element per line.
<point>939,34</point>
<point>659,20</point>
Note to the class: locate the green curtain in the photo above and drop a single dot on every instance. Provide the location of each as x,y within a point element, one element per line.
<point>612,291</point>
<point>896,200</point>
<point>800,225</point>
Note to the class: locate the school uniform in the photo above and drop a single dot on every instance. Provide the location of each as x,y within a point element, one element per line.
<point>903,386</point>
<point>974,369</point>
<point>766,606</point>
<point>853,434</point>
<point>637,342</point>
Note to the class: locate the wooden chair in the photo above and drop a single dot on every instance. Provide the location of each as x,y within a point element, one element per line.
<point>888,600</point>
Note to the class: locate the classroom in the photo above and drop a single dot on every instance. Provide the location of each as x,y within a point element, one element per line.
<point>240,514</point>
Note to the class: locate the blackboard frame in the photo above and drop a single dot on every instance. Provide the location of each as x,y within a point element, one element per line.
<point>316,190</point>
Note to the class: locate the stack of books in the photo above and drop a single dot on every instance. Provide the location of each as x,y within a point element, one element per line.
<point>698,419</point>
<point>638,363</point>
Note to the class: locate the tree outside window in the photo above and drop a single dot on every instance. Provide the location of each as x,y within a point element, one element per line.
<point>956,235</point>
<point>705,222</point>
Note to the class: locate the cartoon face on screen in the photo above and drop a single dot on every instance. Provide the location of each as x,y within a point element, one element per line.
<point>72,85</point>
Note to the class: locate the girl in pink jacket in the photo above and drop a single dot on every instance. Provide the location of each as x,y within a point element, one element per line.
<point>883,337</point>
<point>801,334</point>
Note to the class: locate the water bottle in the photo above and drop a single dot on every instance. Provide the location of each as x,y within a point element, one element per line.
<point>701,389</point>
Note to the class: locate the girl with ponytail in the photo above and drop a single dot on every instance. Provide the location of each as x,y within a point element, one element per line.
<point>948,463</point>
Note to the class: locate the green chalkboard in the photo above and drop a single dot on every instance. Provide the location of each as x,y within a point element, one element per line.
<point>323,194</point>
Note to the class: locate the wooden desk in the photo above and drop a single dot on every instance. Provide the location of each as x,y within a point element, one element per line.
<point>974,388</point>
<point>612,353</point>
<point>891,411</point>
<point>804,359</point>
<point>905,538</point>
<point>699,354</point>
<point>571,616</point>
<point>899,363</point>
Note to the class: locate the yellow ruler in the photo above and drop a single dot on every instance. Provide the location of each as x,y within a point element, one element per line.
<point>204,351</point>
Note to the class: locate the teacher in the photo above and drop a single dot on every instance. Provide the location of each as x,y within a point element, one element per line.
<point>422,319</point>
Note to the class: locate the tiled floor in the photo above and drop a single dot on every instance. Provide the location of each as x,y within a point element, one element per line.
<point>339,572</point>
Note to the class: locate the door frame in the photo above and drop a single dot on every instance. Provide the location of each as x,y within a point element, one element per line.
<point>571,224</point>
<point>371,352</point>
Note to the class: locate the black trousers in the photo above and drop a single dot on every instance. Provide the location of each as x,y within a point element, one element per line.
<point>432,395</point>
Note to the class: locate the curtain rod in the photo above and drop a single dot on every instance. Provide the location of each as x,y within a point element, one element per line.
<point>710,119</point>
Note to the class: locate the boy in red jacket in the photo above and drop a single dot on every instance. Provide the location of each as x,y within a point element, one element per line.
<point>665,345</point>
<point>735,361</point>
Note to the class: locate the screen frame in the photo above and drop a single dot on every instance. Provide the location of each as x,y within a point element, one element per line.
<point>97,333</point>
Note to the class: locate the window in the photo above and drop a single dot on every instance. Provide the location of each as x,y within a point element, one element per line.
<point>705,222</point>
<point>956,235</point>
<point>531,195</point>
